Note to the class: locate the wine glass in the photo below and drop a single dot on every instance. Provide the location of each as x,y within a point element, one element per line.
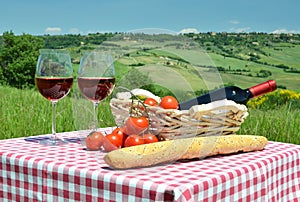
<point>54,79</point>
<point>96,78</point>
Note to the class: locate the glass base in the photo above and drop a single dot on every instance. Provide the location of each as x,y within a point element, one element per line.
<point>53,142</point>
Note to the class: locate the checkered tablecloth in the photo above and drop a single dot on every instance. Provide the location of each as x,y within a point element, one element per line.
<point>32,172</point>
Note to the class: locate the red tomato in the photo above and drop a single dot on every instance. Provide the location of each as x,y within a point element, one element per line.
<point>151,102</point>
<point>119,131</point>
<point>150,138</point>
<point>169,102</point>
<point>112,142</point>
<point>135,125</point>
<point>133,140</point>
<point>94,140</point>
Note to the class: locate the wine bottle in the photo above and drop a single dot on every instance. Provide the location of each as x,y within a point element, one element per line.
<point>231,93</point>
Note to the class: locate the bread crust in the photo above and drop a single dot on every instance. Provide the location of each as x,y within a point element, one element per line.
<point>179,149</point>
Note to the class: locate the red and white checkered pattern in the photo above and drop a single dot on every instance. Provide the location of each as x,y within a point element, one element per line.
<point>33,172</point>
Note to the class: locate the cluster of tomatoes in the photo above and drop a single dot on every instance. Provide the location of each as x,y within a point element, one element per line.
<point>132,133</point>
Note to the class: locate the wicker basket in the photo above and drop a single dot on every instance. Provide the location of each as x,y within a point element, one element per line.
<point>216,118</point>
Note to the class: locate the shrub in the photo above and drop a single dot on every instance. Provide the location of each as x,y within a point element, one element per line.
<point>276,99</point>
<point>18,59</point>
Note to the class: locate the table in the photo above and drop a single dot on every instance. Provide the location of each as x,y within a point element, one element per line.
<point>32,172</point>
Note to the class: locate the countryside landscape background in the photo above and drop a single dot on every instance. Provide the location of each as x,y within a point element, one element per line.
<point>241,59</point>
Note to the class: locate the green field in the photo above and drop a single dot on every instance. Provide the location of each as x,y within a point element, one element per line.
<point>27,113</point>
<point>179,65</point>
<point>282,53</point>
<point>186,57</point>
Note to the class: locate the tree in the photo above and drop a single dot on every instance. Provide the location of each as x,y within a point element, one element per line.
<point>18,59</point>
<point>134,78</point>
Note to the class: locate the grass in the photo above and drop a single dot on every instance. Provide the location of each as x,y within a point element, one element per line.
<point>287,54</point>
<point>27,113</point>
<point>281,124</point>
<point>186,75</point>
<point>197,57</point>
<point>290,80</point>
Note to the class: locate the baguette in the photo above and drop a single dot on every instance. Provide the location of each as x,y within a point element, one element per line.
<point>188,148</point>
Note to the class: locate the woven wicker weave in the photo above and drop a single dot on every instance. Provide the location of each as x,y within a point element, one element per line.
<point>216,118</point>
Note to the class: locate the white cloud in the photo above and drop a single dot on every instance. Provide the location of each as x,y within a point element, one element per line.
<point>188,30</point>
<point>241,29</point>
<point>285,31</point>
<point>234,22</point>
<point>53,30</point>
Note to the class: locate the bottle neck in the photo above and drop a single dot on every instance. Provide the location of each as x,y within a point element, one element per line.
<point>262,88</point>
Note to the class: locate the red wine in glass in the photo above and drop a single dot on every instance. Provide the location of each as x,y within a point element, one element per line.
<point>96,89</point>
<point>54,89</point>
<point>96,78</point>
<point>54,78</point>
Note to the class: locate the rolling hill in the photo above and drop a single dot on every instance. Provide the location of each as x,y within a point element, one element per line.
<point>244,61</point>
<point>204,60</point>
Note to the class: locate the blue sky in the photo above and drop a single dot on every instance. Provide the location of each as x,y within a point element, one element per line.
<point>40,17</point>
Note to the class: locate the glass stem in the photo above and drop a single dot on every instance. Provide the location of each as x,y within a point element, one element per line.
<point>95,116</point>
<point>53,121</point>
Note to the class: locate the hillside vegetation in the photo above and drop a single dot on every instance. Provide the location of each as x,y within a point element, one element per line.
<point>182,65</point>
<point>243,59</point>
